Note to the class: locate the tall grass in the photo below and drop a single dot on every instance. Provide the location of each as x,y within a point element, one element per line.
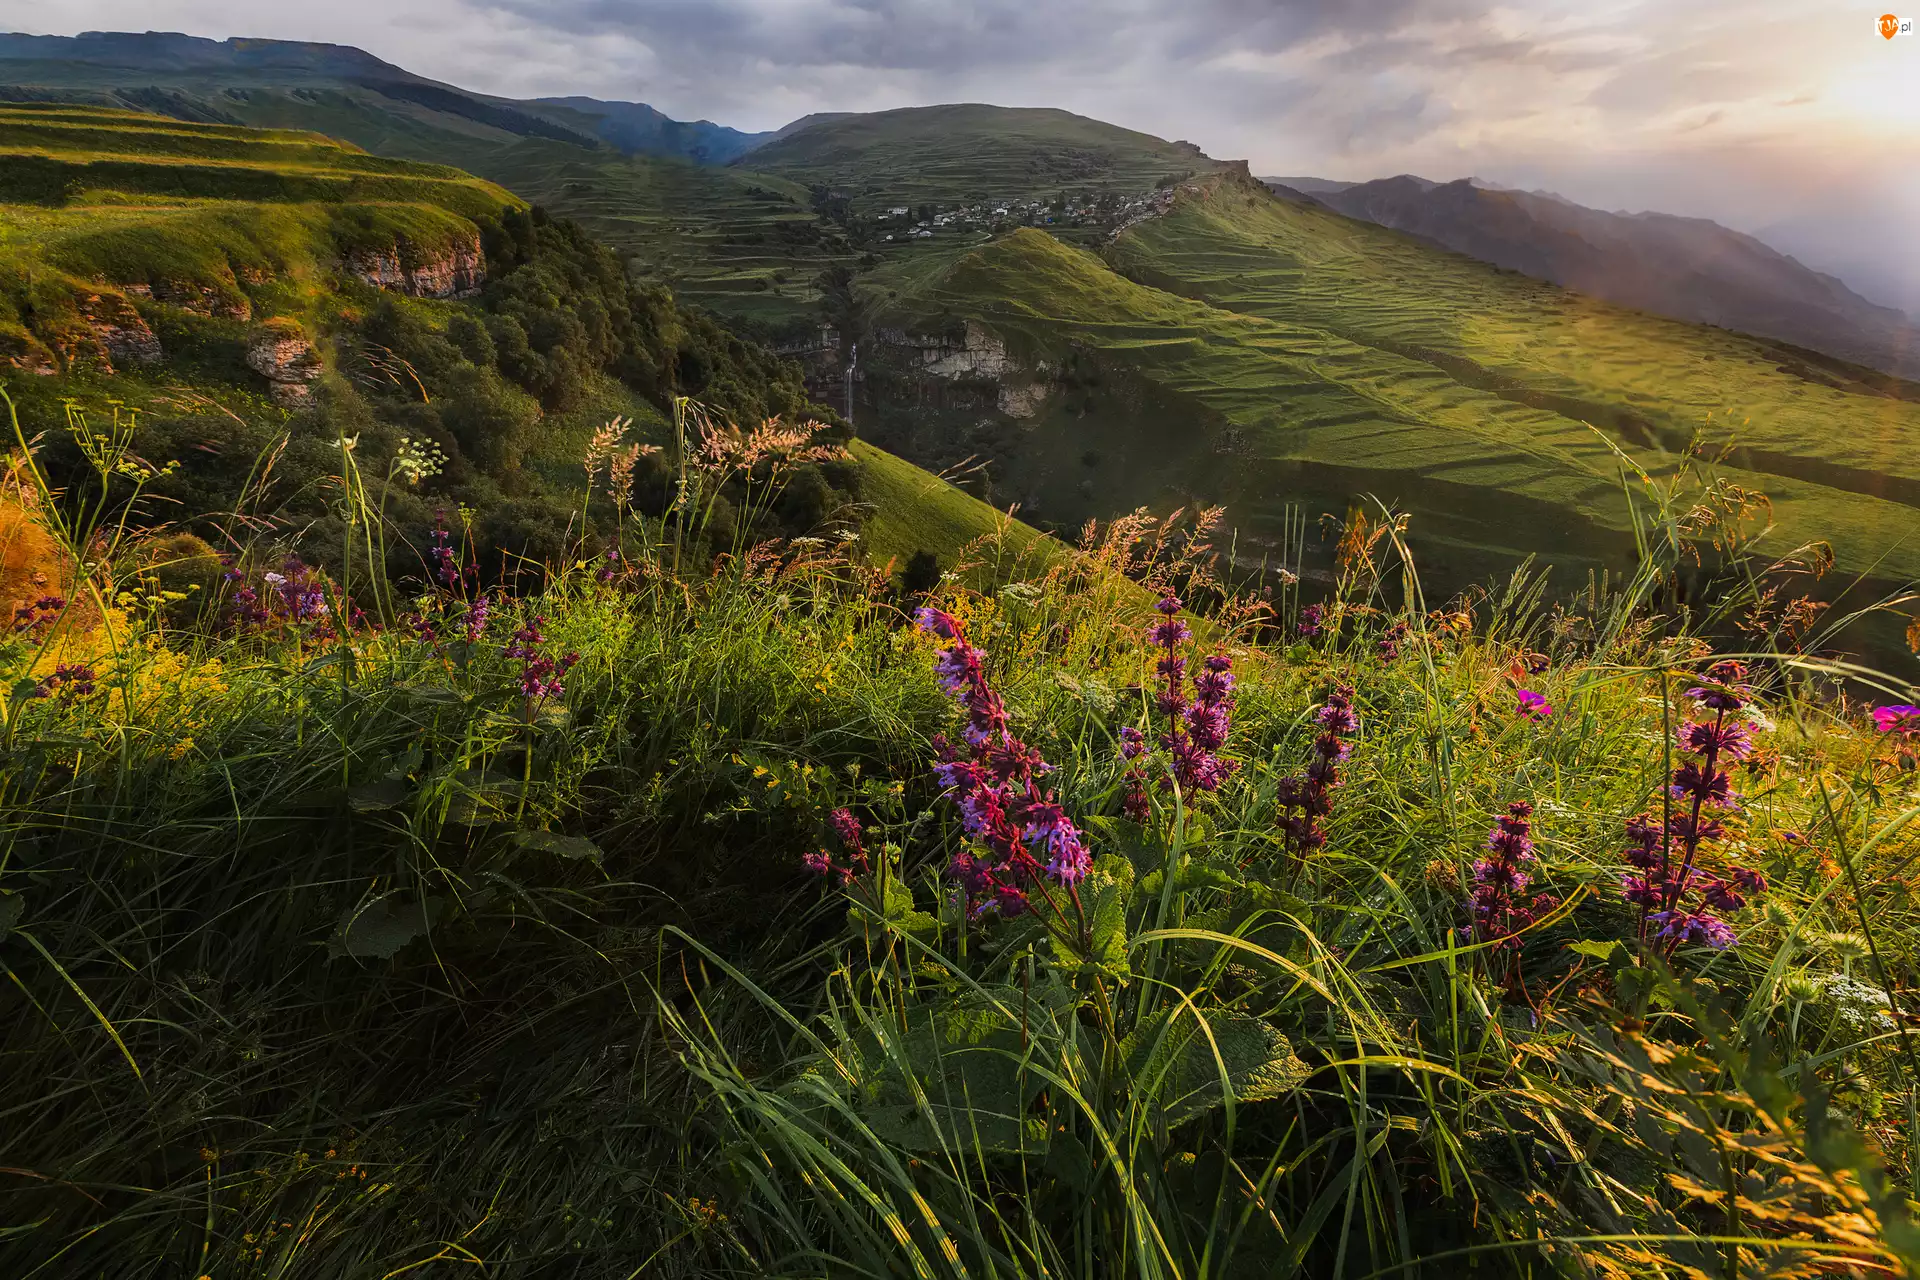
<point>331,951</point>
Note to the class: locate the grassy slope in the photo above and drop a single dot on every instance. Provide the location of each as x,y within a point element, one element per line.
<point>971,152</point>
<point>1327,358</point>
<point>96,200</point>
<point>916,511</point>
<point>278,256</point>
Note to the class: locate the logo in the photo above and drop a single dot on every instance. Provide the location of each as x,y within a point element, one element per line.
<point>1889,25</point>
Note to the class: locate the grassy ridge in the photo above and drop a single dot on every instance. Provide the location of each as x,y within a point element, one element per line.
<point>914,511</point>
<point>969,152</point>
<point>1833,446</point>
<point>1325,358</point>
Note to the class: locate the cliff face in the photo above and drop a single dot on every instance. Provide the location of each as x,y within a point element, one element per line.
<point>456,271</point>
<point>977,356</point>
<point>122,334</point>
<point>222,301</point>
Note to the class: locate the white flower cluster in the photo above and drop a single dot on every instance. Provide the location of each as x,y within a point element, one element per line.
<point>418,460</point>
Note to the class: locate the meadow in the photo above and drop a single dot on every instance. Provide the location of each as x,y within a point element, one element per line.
<point>750,914</point>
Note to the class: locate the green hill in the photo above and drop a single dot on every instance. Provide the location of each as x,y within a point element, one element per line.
<point>105,207</point>
<point>259,296</point>
<point>1245,349</point>
<point>971,151</point>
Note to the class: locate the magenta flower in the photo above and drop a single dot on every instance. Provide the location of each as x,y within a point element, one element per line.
<point>1700,928</point>
<point>446,565</point>
<point>1676,897</point>
<point>852,839</point>
<point>1534,706</point>
<point>1500,911</point>
<point>1901,719</point>
<point>541,676</point>
<point>1311,792</point>
<point>995,784</point>
<point>476,621</point>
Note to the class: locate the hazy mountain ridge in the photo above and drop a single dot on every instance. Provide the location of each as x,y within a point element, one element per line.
<point>207,80</point>
<point>1687,268</point>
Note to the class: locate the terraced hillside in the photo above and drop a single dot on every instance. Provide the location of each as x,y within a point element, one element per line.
<point>1246,349</point>
<point>259,296</point>
<point>105,208</point>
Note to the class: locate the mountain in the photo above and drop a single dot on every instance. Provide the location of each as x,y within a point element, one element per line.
<point>636,128</point>
<point>1687,268</point>
<point>971,152</point>
<point>1311,186</point>
<point>345,91</point>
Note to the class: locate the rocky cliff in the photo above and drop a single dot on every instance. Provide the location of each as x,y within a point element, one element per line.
<point>454,271</point>
<point>975,355</point>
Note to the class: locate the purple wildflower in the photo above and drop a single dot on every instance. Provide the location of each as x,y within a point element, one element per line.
<point>248,611</point>
<point>1390,641</point>
<point>1723,739</point>
<point>609,567</point>
<point>541,676</point>
<point>446,565</point>
<point>302,592</point>
<point>1310,618</point>
<point>38,615</point>
<point>1197,723</point>
<point>995,784</point>
<point>846,828</point>
<point>1702,928</point>
<point>1534,706</point>
<point>68,682</point>
<point>476,621</point>
<point>1311,792</point>
<point>1500,912</point>
<point>1667,886</point>
<point>1900,718</point>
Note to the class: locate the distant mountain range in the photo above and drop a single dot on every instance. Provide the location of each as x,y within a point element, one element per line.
<point>558,149</point>
<point>1687,268</point>
<point>220,81</point>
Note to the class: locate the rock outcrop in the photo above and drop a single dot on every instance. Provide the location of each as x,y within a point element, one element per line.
<point>456,271</point>
<point>977,355</point>
<point>281,353</point>
<point>197,297</point>
<point>22,352</point>
<point>123,334</point>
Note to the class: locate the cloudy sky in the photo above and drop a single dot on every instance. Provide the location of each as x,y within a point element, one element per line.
<point>1790,118</point>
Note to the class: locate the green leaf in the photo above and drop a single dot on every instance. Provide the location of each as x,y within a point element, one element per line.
<point>377,930</point>
<point>1179,1059</point>
<point>1611,950</point>
<point>379,795</point>
<point>432,695</point>
<point>1190,877</point>
<point>577,848</point>
<point>957,1076</point>
<point>12,906</point>
<point>1103,895</point>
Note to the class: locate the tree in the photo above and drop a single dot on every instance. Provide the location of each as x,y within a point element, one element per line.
<point>922,573</point>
